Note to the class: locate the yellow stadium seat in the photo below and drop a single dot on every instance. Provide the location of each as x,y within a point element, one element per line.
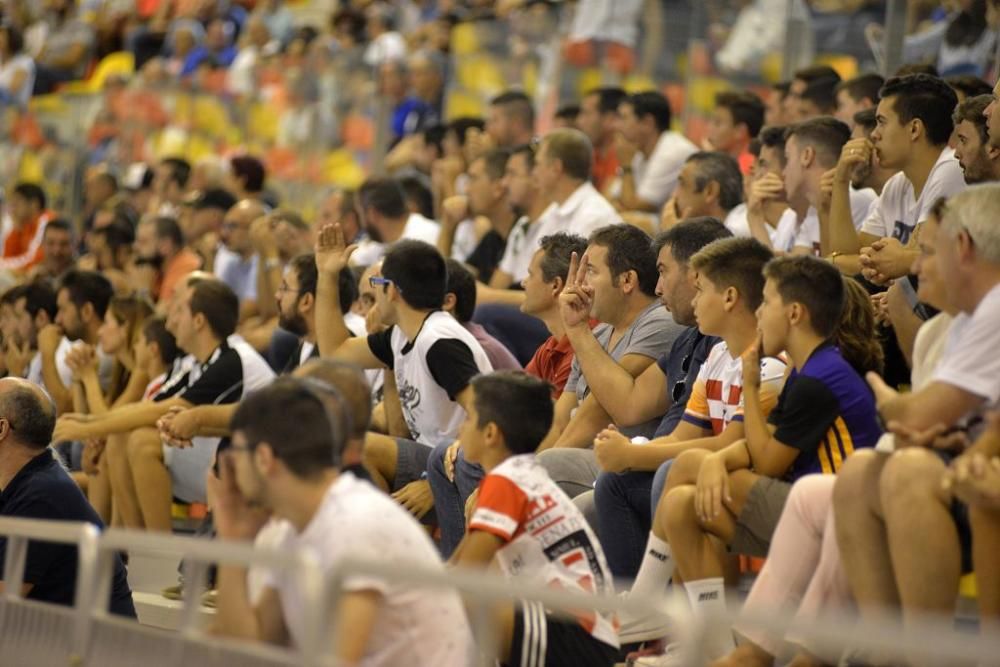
<point>481,75</point>
<point>529,79</point>
<point>342,170</point>
<point>588,79</point>
<point>461,103</point>
<point>702,91</point>
<point>846,66</point>
<point>770,68</point>
<point>464,40</point>
<point>262,122</point>
<point>638,83</point>
<point>30,169</point>
<point>120,63</point>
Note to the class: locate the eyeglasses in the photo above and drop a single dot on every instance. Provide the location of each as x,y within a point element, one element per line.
<point>379,281</point>
<point>681,385</point>
<point>282,288</point>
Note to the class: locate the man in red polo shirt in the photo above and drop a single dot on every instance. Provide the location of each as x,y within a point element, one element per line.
<point>24,227</point>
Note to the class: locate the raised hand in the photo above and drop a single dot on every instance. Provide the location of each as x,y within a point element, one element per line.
<point>577,298</point>
<point>262,236</point>
<point>48,338</point>
<point>332,252</point>
<point>855,152</point>
<point>769,187</point>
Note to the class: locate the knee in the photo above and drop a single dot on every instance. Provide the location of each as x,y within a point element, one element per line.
<point>606,488</point>
<point>856,476</point>
<point>435,462</point>
<point>677,507</point>
<point>378,450</point>
<point>143,444</point>
<point>811,496</point>
<point>910,474</point>
<point>685,468</point>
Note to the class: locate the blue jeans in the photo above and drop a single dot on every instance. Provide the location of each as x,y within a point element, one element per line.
<point>450,496</point>
<point>626,504</point>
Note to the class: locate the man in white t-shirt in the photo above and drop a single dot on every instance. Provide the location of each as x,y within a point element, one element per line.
<point>913,125</point>
<point>432,357</point>
<point>650,154</point>
<point>562,170</point>
<point>878,497</point>
<point>382,208</point>
<point>288,445</point>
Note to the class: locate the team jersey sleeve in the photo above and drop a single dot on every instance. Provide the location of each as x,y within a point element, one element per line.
<point>452,365</point>
<point>500,509</point>
<point>772,381</point>
<point>874,223</point>
<point>696,411</point>
<point>806,410</point>
<point>381,346</point>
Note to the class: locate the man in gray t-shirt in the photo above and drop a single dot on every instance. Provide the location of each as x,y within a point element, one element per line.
<point>614,282</point>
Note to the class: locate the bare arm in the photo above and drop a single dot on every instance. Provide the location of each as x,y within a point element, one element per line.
<point>354,623</point>
<point>121,420</point>
<point>843,237</point>
<point>395,421</point>
<point>235,617</point>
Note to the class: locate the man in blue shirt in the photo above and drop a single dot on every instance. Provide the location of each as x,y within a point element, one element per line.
<point>33,485</point>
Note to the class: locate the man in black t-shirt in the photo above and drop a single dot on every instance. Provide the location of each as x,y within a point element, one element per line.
<point>33,485</point>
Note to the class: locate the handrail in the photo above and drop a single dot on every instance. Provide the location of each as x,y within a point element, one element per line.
<point>930,636</point>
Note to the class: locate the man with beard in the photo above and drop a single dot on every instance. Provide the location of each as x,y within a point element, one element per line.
<point>296,299</point>
<point>159,247</point>
<point>980,161</point>
<point>81,302</point>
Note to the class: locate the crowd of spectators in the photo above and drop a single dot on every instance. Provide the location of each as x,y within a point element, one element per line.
<point>602,356</point>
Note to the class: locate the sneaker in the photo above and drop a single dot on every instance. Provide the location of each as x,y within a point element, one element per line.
<point>210,599</point>
<point>673,656</point>
<point>175,592</point>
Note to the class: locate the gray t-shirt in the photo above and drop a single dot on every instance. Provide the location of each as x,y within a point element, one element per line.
<point>651,335</point>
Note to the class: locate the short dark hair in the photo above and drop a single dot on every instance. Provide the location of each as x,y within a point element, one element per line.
<point>609,98</point>
<point>250,171</point>
<point>290,416</point>
<point>461,126</point>
<point>825,134</point>
<point>462,284</point>
<point>15,38</point>
<point>168,228</point>
<point>38,296</point>
<point>814,283</point>
<point>350,382</point>
<point>527,150</point>
<point>925,98</point>
<point>519,404</point>
<point>154,329</point>
<point>971,109</point>
<point>568,112</point>
<point>32,192</point>
<point>88,287</point>
<point>557,249</point>
<point>723,169</point>
<point>32,419</point>
<point>773,137</point>
<point>434,136</point>
<point>689,236</point>
<point>822,94</point>
<point>862,87</point>
<point>745,107</point>
<point>59,224</point>
<point>629,249</point>
<point>385,195</point>
<point>11,296</point>
<point>866,119</point>
<point>180,170</point>
<point>969,85</point>
<point>651,103</point>
<point>909,69</point>
<point>305,270</point>
<point>220,306</point>
<point>119,234</point>
<point>418,271</point>
<point>817,73</point>
<point>495,162</point>
<point>573,150</point>
<point>215,198</point>
<point>735,262</point>
<point>517,105</point>
<point>417,193</point>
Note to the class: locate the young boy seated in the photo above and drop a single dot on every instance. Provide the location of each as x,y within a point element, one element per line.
<point>531,528</point>
<point>824,413</point>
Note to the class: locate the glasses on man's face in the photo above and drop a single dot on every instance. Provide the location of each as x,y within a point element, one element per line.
<point>284,288</point>
<point>379,281</point>
<point>681,385</point>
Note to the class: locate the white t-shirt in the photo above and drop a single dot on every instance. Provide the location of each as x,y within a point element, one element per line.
<point>899,213</point>
<point>521,246</point>
<point>656,177</point>
<point>422,628</point>
<point>387,46</point>
<point>430,371</point>
<point>583,211</point>
<point>417,228</point>
<point>9,69</point>
<point>808,233</point>
<point>780,236</point>
<point>970,360</point>
<point>546,538</point>
<point>34,372</point>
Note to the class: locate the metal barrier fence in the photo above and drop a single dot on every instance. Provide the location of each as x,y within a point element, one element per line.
<point>32,633</point>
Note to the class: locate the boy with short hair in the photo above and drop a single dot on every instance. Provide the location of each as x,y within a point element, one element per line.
<point>824,413</point>
<point>524,521</point>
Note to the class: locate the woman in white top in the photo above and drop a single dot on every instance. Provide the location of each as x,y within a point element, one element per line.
<point>17,69</point>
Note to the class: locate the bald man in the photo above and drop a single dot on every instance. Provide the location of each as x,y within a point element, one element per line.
<point>236,262</point>
<point>34,485</point>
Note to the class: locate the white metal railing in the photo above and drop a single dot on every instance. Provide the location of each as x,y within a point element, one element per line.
<point>931,639</point>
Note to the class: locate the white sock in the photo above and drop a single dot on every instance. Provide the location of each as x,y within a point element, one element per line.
<point>708,599</point>
<point>656,569</point>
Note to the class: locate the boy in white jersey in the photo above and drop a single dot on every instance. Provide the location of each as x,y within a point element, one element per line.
<point>531,528</point>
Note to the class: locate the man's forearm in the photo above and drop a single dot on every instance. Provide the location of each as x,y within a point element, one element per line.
<point>129,418</point>
<point>584,425</point>
<point>611,384</point>
<point>213,420</point>
<point>755,422</point>
<point>268,279</point>
<point>331,332</point>
<point>446,239</point>
<point>234,615</point>
<point>59,392</point>
<point>843,237</point>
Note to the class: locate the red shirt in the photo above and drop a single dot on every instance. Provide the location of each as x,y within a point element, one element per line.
<point>605,167</point>
<point>552,362</point>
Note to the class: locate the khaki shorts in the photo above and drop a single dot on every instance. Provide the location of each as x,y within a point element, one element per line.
<point>756,523</point>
